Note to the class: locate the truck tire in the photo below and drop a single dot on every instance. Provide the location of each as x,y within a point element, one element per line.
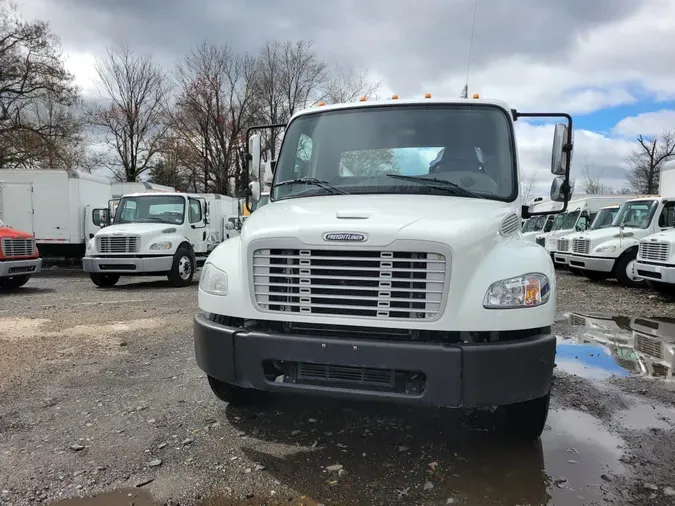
<point>183,268</point>
<point>104,280</point>
<point>576,271</point>
<point>662,288</point>
<point>14,282</point>
<point>526,420</point>
<point>233,394</point>
<point>596,275</point>
<point>624,271</point>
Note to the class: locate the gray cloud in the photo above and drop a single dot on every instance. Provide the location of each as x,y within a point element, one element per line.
<point>407,42</point>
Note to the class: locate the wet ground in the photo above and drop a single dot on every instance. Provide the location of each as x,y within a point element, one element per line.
<point>100,395</point>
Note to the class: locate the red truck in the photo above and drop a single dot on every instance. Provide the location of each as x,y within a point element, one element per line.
<point>19,257</point>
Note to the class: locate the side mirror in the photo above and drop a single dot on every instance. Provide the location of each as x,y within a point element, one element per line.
<point>560,190</point>
<point>268,176</point>
<point>561,151</point>
<point>254,156</point>
<point>254,188</point>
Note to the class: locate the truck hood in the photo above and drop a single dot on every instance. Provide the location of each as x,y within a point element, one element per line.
<point>382,218</point>
<point>11,233</point>
<point>142,229</point>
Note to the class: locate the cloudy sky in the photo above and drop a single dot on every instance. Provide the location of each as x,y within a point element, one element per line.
<point>607,62</point>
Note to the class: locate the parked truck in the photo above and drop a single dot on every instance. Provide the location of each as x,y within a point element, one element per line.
<point>153,234</point>
<point>19,257</point>
<point>407,283</point>
<point>61,209</point>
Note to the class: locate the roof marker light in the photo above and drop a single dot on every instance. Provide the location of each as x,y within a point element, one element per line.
<point>394,97</point>
<point>476,95</point>
<point>427,95</point>
<point>362,99</point>
<point>322,103</point>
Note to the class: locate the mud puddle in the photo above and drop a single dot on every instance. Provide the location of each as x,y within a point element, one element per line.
<point>597,346</point>
<point>118,498</point>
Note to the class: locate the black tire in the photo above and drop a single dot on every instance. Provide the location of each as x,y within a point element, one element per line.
<point>595,275</point>
<point>104,280</point>
<point>576,271</point>
<point>183,268</point>
<point>233,394</point>
<point>14,282</point>
<point>526,420</point>
<point>662,288</point>
<point>621,267</point>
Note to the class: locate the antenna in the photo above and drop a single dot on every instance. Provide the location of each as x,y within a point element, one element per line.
<point>465,91</point>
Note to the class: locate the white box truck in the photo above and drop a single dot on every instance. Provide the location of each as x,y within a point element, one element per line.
<point>61,209</point>
<point>153,234</point>
<point>656,252</point>
<point>542,223</point>
<point>120,188</point>
<point>402,282</point>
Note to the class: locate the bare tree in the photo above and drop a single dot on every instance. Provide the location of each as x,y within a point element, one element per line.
<point>213,109</point>
<point>346,86</point>
<point>133,121</point>
<point>645,163</point>
<point>32,74</point>
<point>527,184</point>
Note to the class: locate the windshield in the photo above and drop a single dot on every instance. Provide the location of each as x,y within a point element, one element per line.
<point>569,220</point>
<point>604,218</point>
<point>470,148</point>
<point>151,209</point>
<point>535,224</point>
<point>264,199</point>
<point>557,223</point>
<point>636,214</point>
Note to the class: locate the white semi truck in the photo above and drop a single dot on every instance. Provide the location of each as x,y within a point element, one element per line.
<point>165,234</point>
<point>656,253</point>
<point>408,283</point>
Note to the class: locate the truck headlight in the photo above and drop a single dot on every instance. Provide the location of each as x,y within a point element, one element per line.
<point>161,245</point>
<point>605,249</point>
<point>528,290</point>
<point>213,280</point>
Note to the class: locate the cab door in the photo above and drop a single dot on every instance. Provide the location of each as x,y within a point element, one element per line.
<point>198,231</point>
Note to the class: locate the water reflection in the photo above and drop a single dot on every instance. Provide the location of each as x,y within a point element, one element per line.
<point>597,346</point>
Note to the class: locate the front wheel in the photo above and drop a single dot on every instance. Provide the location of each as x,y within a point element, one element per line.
<point>625,272</point>
<point>526,420</point>
<point>596,275</point>
<point>183,268</point>
<point>104,280</point>
<point>233,394</point>
<point>14,282</point>
<point>576,271</point>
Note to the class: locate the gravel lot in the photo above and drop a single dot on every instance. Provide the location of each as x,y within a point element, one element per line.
<point>99,392</point>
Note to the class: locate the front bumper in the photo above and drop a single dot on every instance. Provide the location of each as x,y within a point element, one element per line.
<point>589,263</point>
<point>10,268</point>
<point>131,265</point>
<point>652,272</point>
<point>455,375</point>
<point>561,259</point>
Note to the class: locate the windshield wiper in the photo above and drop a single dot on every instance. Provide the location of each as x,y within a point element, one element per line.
<point>439,184</point>
<point>316,182</point>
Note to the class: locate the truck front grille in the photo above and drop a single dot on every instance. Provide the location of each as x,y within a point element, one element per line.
<point>581,246</point>
<point>648,345</point>
<point>541,241</point>
<point>369,284</point>
<point>18,247</point>
<point>563,245</point>
<point>108,244</point>
<point>656,251</point>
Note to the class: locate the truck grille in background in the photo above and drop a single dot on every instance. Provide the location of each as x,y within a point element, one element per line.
<point>18,247</point>
<point>657,251</point>
<point>375,284</point>
<point>581,246</point>
<point>563,244</point>
<point>648,345</point>
<point>118,244</point>
<point>541,241</point>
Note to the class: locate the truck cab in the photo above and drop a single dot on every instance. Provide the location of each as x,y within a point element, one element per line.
<point>19,257</point>
<point>153,234</point>
<point>611,252</point>
<point>403,282</point>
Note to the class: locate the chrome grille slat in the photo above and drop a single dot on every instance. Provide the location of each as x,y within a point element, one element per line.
<point>648,345</point>
<point>581,246</point>
<point>656,251</point>
<point>18,247</point>
<point>111,244</point>
<point>360,283</point>
<point>563,244</point>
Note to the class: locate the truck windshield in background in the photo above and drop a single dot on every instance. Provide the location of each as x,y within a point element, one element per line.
<point>535,224</point>
<point>151,209</point>
<point>434,149</point>
<point>569,220</point>
<point>636,214</point>
<point>604,218</point>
